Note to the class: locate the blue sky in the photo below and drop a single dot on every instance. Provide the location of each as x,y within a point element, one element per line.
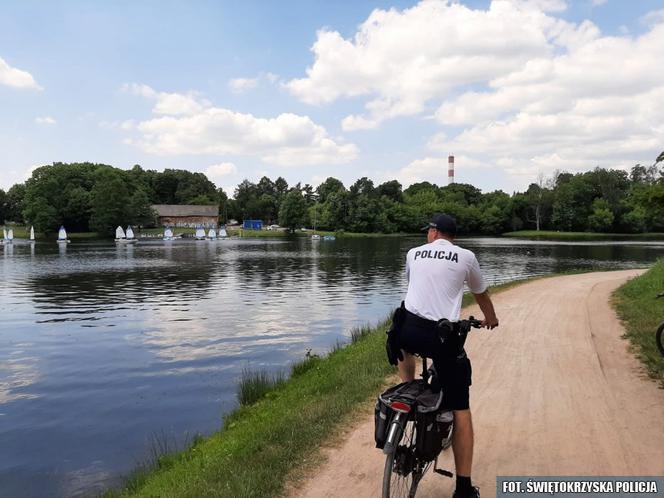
<point>310,89</point>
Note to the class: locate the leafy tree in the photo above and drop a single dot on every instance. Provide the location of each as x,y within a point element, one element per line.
<point>42,215</point>
<point>139,209</point>
<point>601,219</point>
<point>15,203</point>
<point>3,206</point>
<point>293,210</point>
<point>391,190</point>
<point>109,202</point>
<point>328,187</point>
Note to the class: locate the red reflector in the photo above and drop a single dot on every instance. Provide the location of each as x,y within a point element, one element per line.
<point>400,407</point>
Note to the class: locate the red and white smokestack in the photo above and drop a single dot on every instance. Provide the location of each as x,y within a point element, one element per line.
<point>450,169</point>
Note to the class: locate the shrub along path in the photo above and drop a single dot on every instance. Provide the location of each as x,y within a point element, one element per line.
<point>555,392</point>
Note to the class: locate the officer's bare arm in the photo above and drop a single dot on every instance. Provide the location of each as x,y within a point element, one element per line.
<point>484,301</point>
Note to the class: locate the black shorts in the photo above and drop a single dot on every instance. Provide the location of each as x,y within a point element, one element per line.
<point>454,371</point>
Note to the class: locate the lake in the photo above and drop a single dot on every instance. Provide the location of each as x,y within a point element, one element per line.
<point>105,350</point>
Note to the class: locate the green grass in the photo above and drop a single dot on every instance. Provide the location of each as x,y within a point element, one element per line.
<point>642,313</point>
<point>254,385</point>
<point>552,235</point>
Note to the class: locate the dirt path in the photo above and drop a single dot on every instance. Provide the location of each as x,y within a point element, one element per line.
<point>555,392</point>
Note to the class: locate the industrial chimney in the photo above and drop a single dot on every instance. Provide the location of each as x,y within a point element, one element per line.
<point>450,170</point>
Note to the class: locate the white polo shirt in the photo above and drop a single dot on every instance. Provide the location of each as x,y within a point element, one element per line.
<point>436,273</point>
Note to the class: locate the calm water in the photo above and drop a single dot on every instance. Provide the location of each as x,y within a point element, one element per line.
<point>103,348</point>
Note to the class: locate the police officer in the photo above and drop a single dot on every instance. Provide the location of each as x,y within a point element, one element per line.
<point>436,274</point>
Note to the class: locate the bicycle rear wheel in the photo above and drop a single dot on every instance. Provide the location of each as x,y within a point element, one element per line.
<point>660,338</point>
<point>403,471</point>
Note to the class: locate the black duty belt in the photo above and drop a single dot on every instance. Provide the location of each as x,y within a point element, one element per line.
<point>421,322</point>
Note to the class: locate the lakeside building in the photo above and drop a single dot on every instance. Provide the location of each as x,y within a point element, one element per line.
<point>190,216</point>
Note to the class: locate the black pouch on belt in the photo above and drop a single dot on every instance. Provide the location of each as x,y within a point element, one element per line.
<point>392,347</point>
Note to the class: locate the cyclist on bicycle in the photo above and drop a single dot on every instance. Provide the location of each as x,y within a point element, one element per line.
<point>436,274</point>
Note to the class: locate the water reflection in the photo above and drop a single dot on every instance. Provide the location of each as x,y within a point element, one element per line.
<point>104,345</point>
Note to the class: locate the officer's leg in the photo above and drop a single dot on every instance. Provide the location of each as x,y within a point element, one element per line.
<point>407,367</point>
<point>462,442</point>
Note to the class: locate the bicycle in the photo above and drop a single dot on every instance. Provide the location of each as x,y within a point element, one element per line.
<point>659,335</point>
<point>417,430</point>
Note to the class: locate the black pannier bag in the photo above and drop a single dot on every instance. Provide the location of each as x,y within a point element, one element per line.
<point>425,404</point>
<point>431,430</point>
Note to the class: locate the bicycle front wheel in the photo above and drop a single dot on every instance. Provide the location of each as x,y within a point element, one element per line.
<point>403,471</point>
<point>660,338</point>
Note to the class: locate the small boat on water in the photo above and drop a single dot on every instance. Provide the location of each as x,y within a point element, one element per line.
<point>131,238</point>
<point>168,234</point>
<point>200,233</point>
<point>212,234</point>
<point>120,234</point>
<point>315,237</point>
<point>62,236</point>
<point>7,236</point>
<point>32,234</point>
<point>222,232</point>
<point>329,237</point>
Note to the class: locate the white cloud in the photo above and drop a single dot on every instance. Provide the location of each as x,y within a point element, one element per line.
<point>173,104</point>
<point>187,124</point>
<point>597,3</point>
<point>653,17</point>
<point>219,172</point>
<point>402,60</point>
<point>240,85</point>
<point>45,120</point>
<point>17,78</point>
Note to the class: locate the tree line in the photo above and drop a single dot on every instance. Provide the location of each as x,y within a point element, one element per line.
<point>87,196</point>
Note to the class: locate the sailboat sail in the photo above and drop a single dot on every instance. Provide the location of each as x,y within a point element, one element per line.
<point>130,233</point>
<point>62,234</point>
<point>10,234</point>
<point>4,233</point>
<point>32,233</point>
<point>200,233</point>
<point>222,232</point>
<point>168,233</point>
<point>212,233</point>
<point>119,233</point>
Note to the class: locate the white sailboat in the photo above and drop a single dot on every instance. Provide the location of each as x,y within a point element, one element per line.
<point>5,239</point>
<point>212,234</point>
<point>222,232</point>
<point>62,236</point>
<point>168,234</point>
<point>10,235</point>
<point>131,238</point>
<point>120,234</point>
<point>32,234</point>
<point>200,233</point>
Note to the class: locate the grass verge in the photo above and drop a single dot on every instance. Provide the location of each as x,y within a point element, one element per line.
<point>642,313</point>
<point>552,235</point>
<point>277,437</point>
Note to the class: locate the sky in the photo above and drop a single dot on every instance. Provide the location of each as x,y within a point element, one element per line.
<point>316,88</point>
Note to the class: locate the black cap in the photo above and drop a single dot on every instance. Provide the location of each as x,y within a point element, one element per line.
<point>443,223</point>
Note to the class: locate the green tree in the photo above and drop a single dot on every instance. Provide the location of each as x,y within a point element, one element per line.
<point>293,210</point>
<point>139,209</point>
<point>601,219</point>
<point>15,203</point>
<point>109,202</point>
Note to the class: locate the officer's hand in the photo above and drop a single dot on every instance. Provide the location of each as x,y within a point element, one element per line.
<point>490,323</point>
